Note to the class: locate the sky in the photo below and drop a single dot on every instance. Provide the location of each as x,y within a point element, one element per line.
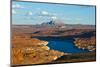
<point>37,13</point>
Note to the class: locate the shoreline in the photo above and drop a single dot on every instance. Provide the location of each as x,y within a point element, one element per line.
<point>38,55</point>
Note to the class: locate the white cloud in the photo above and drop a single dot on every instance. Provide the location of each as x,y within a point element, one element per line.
<point>13,12</point>
<point>44,13</point>
<point>54,17</point>
<point>17,6</point>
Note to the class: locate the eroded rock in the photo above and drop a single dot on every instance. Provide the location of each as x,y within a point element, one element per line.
<point>86,43</point>
<point>32,51</point>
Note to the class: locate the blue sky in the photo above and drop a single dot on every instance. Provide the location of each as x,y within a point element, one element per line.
<point>37,13</point>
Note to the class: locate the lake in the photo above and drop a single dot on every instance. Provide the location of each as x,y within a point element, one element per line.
<point>65,45</point>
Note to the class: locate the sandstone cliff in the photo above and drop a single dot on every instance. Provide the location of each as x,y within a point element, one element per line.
<point>86,43</point>
<point>32,51</point>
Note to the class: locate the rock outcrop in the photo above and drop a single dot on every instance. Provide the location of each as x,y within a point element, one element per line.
<point>27,50</point>
<point>86,43</point>
<point>32,51</point>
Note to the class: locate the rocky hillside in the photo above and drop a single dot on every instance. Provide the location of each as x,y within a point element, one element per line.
<point>32,51</point>
<point>27,50</point>
<point>86,43</point>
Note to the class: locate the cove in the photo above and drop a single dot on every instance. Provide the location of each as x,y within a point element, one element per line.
<point>65,45</point>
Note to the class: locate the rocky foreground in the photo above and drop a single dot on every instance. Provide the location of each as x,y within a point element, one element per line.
<point>27,50</point>
<point>32,51</point>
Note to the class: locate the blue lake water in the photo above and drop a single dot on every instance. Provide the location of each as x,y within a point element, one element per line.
<point>63,45</point>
